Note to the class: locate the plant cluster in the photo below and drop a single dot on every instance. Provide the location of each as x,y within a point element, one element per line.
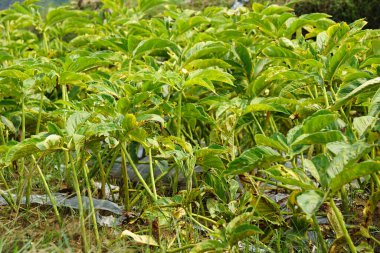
<point>270,118</point>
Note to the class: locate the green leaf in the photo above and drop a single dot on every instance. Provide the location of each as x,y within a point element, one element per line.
<point>341,56</point>
<point>373,83</point>
<point>52,141</point>
<point>263,140</point>
<point>241,232</point>
<point>292,177</point>
<point>212,75</point>
<point>59,15</point>
<point>207,49</point>
<point>363,123</point>
<point>75,121</point>
<point>280,53</point>
<point>13,73</point>
<point>269,107</point>
<point>83,64</point>
<point>245,58</point>
<point>275,9</point>
<point>138,134</point>
<point>251,158</point>
<point>371,60</point>
<point>209,245</point>
<point>348,174</point>
<point>267,209</point>
<point>23,149</point>
<point>150,117</point>
<point>8,124</point>
<point>101,129</point>
<point>142,239</point>
<point>347,157</point>
<point>374,107</point>
<point>205,63</point>
<point>319,138</point>
<point>145,5</point>
<point>310,201</point>
<point>150,45</point>
<point>318,121</point>
<point>201,82</point>
<point>330,39</point>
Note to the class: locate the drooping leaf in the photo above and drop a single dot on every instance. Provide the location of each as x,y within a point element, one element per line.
<point>75,121</point>
<point>348,174</point>
<point>263,140</point>
<point>374,107</point>
<point>252,158</point>
<point>310,201</point>
<point>363,123</point>
<point>347,157</point>
<point>373,83</point>
<point>291,177</point>
<point>22,149</point>
<point>245,58</point>
<point>52,141</point>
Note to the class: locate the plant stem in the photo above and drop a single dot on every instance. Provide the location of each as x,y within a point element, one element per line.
<point>47,189</point>
<point>152,173</point>
<point>322,242</point>
<point>188,246</point>
<point>124,173</point>
<point>258,124</point>
<point>39,113</point>
<point>325,95</point>
<point>141,179</point>
<point>345,201</point>
<point>204,218</point>
<point>86,246</point>
<point>102,175</point>
<point>92,209</point>
<point>179,115</point>
<point>339,217</point>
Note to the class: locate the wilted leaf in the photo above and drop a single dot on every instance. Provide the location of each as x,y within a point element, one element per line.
<point>142,239</point>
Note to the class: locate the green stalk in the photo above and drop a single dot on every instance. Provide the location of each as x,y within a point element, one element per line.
<point>345,201</point>
<point>92,209</point>
<point>181,249</point>
<point>124,173</point>
<point>152,173</point>
<point>325,95</point>
<point>2,134</point>
<point>342,225</point>
<point>86,246</point>
<point>9,200</point>
<point>47,189</point>
<point>322,241</point>
<point>179,115</point>
<point>23,119</point>
<point>102,175</point>
<point>258,124</point>
<point>133,202</point>
<point>141,179</point>
<point>45,42</point>
<point>39,113</point>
